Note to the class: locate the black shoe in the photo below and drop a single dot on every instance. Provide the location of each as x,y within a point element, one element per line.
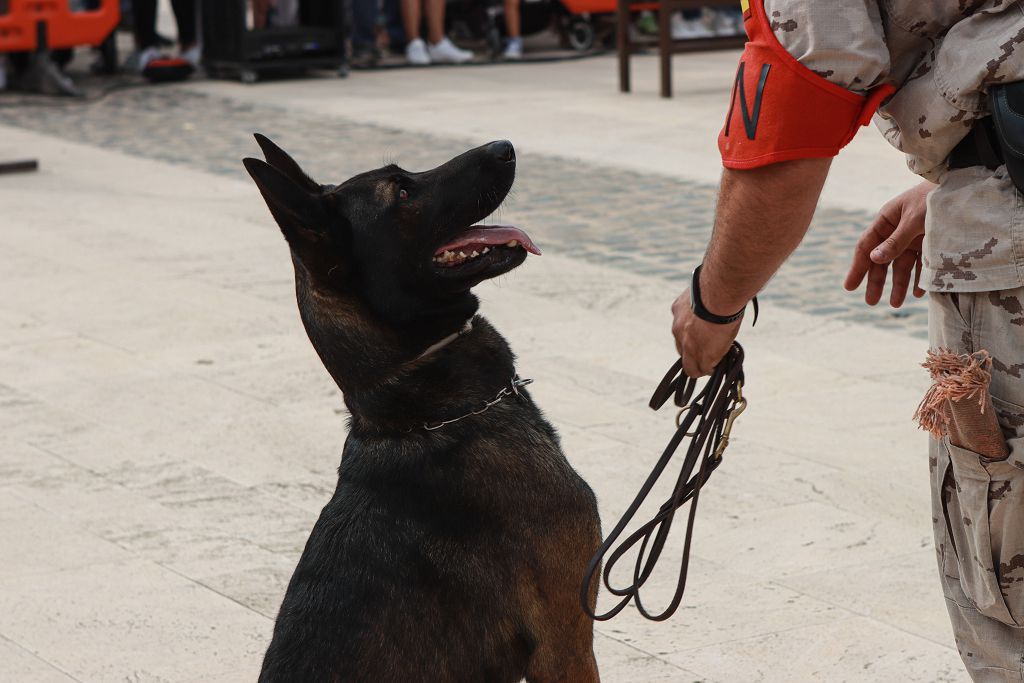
<point>365,57</point>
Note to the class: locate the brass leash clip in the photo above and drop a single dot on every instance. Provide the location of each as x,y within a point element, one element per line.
<point>739,404</point>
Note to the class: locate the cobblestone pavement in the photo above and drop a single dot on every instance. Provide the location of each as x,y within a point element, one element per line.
<point>646,223</point>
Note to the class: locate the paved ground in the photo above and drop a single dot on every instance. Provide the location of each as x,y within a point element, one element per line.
<point>167,435</point>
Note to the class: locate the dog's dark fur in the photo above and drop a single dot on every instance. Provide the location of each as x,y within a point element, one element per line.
<point>452,555</point>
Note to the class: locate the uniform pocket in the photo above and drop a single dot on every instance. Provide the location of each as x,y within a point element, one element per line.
<point>983,508</point>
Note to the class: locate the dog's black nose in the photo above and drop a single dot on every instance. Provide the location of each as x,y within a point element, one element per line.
<point>503,151</point>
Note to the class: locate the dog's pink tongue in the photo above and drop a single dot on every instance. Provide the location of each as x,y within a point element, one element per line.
<point>491,236</point>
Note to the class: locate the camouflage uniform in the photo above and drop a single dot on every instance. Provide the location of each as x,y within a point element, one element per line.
<point>942,56</point>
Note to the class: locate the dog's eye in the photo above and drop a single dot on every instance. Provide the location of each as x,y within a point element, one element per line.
<point>403,194</point>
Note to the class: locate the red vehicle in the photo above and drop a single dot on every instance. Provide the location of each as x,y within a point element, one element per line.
<point>579,24</point>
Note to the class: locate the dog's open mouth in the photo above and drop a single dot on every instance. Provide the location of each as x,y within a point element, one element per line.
<point>484,243</point>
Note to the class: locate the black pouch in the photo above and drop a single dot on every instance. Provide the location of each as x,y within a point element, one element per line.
<point>1007,102</point>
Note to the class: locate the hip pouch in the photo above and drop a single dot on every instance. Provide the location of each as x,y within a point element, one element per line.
<point>1007,102</point>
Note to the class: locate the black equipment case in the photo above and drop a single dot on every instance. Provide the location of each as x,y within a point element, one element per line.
<point>231,49</point>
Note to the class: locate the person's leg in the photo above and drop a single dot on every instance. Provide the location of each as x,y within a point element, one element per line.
<point>512,23</point>
<point>514,49</point>
<point>977,504</point>
<point>144,17</point>
<point>442,50</point>
<point>393,20</point>
<point>416,51</point>
<point>435,20</point>
<point>364,20</point>
<point>287,12</point>
<point>411,19</point>
<point>364,39</point>
<point>185,15</point>
<point>260,9</point>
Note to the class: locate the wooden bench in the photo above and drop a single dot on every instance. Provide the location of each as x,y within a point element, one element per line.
<point>664,42</point>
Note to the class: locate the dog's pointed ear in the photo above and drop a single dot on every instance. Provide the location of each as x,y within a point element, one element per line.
<point>283,162</point>
<point>298,211</point>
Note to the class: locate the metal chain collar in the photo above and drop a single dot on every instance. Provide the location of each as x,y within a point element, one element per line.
<point>511,390</point>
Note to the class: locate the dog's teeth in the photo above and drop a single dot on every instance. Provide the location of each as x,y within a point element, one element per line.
<point>462,254</point>
<point>474,254</point>
<point>486,249</point>
<point>445,257</point>
<point>513,243</point>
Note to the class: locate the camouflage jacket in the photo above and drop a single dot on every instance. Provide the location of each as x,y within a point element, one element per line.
<point>942,55</point>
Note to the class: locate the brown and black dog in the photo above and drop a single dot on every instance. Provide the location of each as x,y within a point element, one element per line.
<point>448,554</point>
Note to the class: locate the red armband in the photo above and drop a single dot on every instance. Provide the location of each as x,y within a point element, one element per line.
<point>781,110</point>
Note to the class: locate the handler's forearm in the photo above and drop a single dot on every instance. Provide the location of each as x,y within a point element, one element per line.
<point>762,215</point>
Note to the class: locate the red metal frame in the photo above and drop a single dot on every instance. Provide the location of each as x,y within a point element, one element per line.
<point>64,28</point>
<point>576,7</point>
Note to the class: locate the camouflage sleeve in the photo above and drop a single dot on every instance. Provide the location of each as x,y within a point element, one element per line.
<point>842,42</point>
<point>943,90</point>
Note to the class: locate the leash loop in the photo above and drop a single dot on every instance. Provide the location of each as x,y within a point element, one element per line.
<point>707,418</point>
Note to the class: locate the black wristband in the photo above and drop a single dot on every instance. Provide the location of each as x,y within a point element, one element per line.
<point>704,314</point>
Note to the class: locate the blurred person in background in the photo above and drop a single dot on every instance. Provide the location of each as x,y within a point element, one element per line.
<point>727,21</point>
<point>365,52</point>
<point>707,23</point>
<point>393,27</point>
<point>267,13</point>
<point>147,42</point>
<point>513,25</point>
<point>689,24</point>
<point>438,49</point>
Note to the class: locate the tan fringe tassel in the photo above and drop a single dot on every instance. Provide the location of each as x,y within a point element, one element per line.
<point>955,378</point>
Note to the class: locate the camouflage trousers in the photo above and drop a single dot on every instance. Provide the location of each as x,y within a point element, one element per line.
<point>978,506</point>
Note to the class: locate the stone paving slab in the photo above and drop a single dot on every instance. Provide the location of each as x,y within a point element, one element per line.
<point>22,665</point>
<point>167,437</point>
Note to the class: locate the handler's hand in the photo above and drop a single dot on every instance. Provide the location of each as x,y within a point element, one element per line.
<point>894,238</point>
<point>700,344</point>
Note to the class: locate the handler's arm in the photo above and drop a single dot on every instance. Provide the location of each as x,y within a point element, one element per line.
<point>811,74</point>
<point>763,213</point>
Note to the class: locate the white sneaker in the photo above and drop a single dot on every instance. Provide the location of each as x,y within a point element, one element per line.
<point>725,23</point>
<point>416,53</point>
<point>192,55</point>
<point>687,29</point>
<point>514,49</point>
<point>446,52</point>
<point>145,57</point>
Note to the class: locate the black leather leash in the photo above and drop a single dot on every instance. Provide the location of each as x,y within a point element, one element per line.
<point>707,419</point>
